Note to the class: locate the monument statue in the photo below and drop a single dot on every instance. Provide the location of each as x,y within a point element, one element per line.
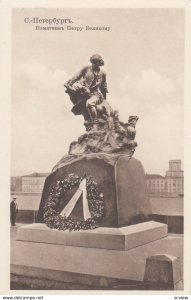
<point>98,183</point>
<point>87,91</point>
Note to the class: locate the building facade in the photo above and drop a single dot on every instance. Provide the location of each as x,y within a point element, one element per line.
<point>175,177</point>
<point>155,183</point>
<point>33,183</point>
<point>172,182</point>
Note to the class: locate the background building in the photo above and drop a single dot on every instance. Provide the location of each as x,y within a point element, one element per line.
<point>33,183</point>
<point>28,190</point>
<point>155,183</point>
<point>175,177</point>
<point>173,182</point>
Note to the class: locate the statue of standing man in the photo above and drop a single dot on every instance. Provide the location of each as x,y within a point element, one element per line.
<point>88,89</point>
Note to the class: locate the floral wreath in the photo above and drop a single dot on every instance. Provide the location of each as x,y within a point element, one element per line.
<point>54,219</point>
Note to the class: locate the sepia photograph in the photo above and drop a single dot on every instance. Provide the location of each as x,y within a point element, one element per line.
<point>97,149</point>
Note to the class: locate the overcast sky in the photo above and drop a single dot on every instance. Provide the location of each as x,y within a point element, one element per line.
<point>144,62</point>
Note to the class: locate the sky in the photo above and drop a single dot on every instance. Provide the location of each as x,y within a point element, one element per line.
<point>144,63</point>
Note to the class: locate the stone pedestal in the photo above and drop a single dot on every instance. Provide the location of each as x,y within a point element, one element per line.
<point>98,257</point>
<point>121,179</point>
<point>109,252</point>
<point>115,251</point>
<point>124,238</point>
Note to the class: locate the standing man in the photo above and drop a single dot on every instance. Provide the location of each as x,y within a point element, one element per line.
<point>91,81</point>
<point>14,210</point>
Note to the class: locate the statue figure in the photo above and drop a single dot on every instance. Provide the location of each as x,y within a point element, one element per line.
<point>87,90</point>
<point>105,132</point>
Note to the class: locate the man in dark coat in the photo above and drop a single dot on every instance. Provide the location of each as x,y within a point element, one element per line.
<point>14,211</point>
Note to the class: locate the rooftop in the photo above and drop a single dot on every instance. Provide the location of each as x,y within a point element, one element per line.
<point>37,175</point>
<point>154,176</point>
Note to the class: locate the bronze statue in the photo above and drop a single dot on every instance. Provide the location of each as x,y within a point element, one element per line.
<point>88,89</point>
<point>105,133</point>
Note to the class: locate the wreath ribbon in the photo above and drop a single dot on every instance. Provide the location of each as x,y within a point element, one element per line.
<point>71,204</point>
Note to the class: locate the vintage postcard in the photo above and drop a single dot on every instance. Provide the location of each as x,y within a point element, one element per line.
<point>97,196</point>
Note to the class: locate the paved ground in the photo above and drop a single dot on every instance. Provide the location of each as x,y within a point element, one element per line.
<point>29,283</point>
